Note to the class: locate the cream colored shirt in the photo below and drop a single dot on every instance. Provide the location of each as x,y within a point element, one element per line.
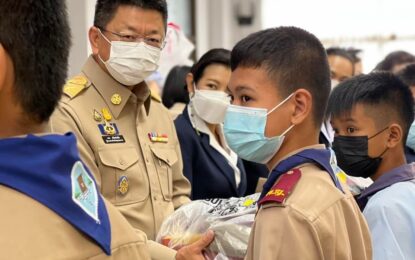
<point>149,171</point>
<point>317,221</point>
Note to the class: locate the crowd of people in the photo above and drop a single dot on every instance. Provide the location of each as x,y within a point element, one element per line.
<point>93,165</point>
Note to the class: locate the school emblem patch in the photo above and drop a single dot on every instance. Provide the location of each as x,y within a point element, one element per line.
<point>84,191</point>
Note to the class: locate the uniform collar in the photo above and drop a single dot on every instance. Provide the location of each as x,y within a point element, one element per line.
<point>107,87</point>
<point>316,146</point>
<point>402,173</point>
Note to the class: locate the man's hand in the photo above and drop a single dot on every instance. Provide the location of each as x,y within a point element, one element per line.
<point>194,251</point>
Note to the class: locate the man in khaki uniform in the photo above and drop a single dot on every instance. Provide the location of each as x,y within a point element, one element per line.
<point>125,135</point>
<point>280,84</point>
<point>50,205</point>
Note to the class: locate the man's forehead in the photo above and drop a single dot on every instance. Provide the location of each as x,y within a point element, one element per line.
<point>137,19</point>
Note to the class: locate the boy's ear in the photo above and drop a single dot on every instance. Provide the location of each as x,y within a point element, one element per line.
<point>5,66</point>
<point>395,136</point>
<point>303,105</point>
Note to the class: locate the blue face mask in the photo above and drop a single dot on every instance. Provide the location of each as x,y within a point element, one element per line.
<point>410,141</point>
<point>244,130</point>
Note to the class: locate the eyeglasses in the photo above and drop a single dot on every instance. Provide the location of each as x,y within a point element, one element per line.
<point>152,41</point>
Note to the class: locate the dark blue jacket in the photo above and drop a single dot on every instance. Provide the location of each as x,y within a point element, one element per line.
<point>207,170</point>
<point>409,154</point>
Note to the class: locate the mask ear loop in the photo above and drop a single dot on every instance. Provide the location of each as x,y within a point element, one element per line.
<point>378,133</point>
<point>380,156</point>
<point>280,104</point>
<point>106,39</point>
<point>286,131</point>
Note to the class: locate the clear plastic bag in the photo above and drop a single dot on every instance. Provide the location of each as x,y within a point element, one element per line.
<point>230,219</point>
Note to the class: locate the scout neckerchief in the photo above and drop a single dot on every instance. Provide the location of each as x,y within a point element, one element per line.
<point>48,169</point>
<point>323,158</point>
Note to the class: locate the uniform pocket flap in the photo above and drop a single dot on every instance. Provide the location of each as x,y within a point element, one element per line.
<point>167,155</point>
<point>119,158</point>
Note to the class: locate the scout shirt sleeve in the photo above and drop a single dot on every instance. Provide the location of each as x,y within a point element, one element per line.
<point>64,120</point>
<point>283,233</point>
<point>385,224</point>
<point>181,186</point>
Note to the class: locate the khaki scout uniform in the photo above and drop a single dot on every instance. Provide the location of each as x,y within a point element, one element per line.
<point>29,230</point>
<point>315,222</point>
<point>128,140</point>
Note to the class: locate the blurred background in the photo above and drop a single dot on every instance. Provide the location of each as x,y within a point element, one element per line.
<point>376,27</point>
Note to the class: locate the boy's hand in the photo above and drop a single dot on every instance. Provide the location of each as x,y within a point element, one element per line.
<point>194,251</point>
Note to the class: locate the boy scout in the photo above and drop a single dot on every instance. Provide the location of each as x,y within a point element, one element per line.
<point>280,84</point>
<point>50,205</point>
<point>371,115</point>
<point>41,215</point>
<point>125,136</point>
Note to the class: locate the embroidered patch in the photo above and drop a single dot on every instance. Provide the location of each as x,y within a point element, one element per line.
<point>283,187</point>
<point>84,191</point>
<point>108,129</point>
<point>123,185</point>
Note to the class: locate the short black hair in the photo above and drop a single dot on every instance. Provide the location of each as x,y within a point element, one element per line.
<point>383,91</point>
<point>354,53</point>
<point>105,9</point>
<point>293,58</point>
<point>407,75</point>
<point>393,59</point>
<point>174,89</point>
<point>214,56</point>
<point>36,36</point>
<point>342,52</point>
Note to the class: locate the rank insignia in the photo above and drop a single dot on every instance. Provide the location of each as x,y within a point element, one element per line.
<point>116,99</point>
<point>106,114</point>
<point>84,191</point>
<point>282,188</point>
<point>97,116</point>
<point>75,86</point>
<point>157,138</point>
<point>123,185</point>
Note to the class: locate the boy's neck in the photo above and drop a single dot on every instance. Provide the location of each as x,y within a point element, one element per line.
<point>392,159</point>
<point>296,139</point>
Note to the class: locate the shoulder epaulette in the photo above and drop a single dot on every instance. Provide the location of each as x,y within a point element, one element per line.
<point>282,188</point>
<point>155,96</point>
<point>75,85</point>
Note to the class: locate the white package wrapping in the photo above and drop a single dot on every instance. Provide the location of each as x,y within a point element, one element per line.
<point>231,220</point>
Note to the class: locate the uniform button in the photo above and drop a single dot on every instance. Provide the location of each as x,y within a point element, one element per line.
<point>121,161</point>
<point>147,160</point>
<point>155,198</point>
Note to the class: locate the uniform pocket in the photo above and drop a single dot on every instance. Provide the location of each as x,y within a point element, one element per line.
<point>164,159</point>
<point>119,165</point>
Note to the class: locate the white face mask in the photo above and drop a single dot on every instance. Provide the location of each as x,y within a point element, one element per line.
<point>210,105</point>
<point>131,62</point>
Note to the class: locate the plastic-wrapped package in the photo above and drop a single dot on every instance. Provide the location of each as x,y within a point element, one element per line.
<point>230,219</point>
